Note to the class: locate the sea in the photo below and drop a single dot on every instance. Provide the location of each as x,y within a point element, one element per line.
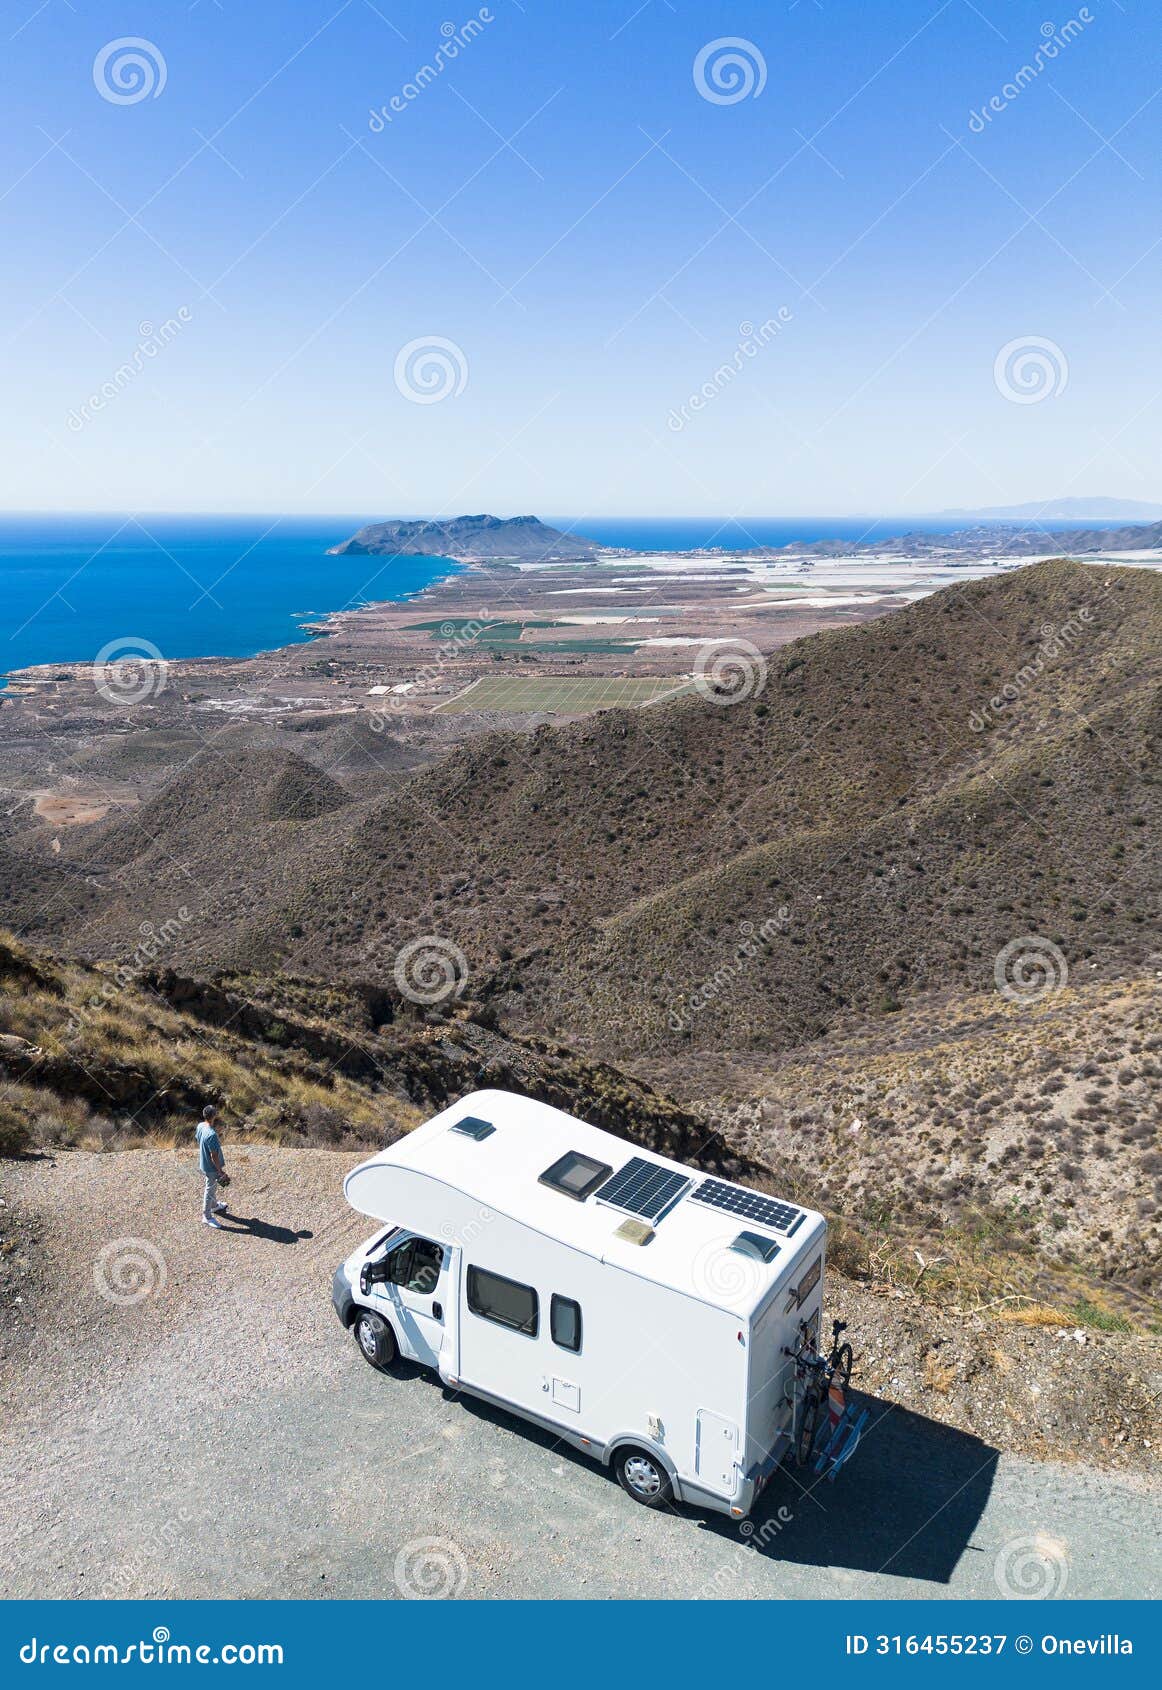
<point>230,586</point>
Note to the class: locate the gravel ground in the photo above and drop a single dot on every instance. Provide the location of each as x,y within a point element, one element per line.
<point>220,1435</point>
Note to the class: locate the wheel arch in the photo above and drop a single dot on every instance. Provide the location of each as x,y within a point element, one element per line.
<point>638,1440</point>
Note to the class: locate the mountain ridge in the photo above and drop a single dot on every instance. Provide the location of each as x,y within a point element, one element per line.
<point>516,538</point>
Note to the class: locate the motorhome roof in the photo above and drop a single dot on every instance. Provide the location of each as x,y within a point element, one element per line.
<point>693,1247</point>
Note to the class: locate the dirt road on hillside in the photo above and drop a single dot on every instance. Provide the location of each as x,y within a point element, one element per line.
<point>182,1416</point>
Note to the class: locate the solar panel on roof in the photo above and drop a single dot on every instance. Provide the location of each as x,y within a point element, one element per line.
<point>749,1205</point>
<point>643,1188</point>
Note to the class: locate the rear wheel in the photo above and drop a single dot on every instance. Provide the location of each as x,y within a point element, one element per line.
<point>644,1478</point>
<point>375,1338</point>
<point>808,1419</point>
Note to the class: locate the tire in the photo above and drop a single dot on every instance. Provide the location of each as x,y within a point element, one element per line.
<point>642,1476</point>
<point>805,1435</point>
<point>843,1360</point>
<point>375,1339</point>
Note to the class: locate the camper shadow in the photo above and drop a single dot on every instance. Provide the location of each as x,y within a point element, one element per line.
<point>907,1506</point>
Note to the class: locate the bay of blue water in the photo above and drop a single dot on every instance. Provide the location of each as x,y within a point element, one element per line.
<point>192,586</point>
<point>198,586</point>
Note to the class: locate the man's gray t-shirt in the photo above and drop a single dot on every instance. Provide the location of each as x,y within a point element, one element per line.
<point>209,1146</point>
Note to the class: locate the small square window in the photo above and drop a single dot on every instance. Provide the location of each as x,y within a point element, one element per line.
<point>565,1322</point>
<point>575,1175</point>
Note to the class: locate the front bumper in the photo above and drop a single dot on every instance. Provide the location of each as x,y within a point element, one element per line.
<point>341,1298</point>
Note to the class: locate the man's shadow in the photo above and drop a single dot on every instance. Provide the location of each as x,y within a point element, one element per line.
<point>252,1227</point>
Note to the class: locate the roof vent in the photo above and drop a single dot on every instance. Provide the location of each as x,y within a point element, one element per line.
<point>753,1244</point>
<point>575,1175</point>
<point>473,1127</point>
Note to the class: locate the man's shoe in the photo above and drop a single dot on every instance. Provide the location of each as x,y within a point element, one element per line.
<point>219,1208</point>
<point>208,1220</point>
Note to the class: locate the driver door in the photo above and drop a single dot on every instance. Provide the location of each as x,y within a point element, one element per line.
<point>414,1294</point>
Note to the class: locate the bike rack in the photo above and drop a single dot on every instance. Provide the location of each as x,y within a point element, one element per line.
<point>843,1442</point>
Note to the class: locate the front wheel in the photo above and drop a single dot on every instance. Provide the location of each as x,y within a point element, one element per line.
<point>375,1338</point>
<point>644,1478</point>
<point>842,1367</point>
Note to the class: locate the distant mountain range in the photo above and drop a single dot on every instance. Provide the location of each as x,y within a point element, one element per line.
<point>1068,510</point>
<point>519,539</point>
<point>984,540</point>
<point>526,539</point>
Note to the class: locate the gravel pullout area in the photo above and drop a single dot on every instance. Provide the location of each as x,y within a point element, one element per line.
<point>219,1435</point>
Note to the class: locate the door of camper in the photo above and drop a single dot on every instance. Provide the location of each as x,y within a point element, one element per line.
<point>417,1295</point>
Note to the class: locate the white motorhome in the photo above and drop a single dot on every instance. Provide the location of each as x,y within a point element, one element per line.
<point>633,1306</point>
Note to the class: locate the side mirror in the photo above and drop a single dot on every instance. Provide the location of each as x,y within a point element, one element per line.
<point>373,1273</point>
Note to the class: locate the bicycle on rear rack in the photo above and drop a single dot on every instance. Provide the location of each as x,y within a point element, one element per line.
<point>817,1379</point>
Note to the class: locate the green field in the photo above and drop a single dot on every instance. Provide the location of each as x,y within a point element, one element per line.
<point>561,694</point>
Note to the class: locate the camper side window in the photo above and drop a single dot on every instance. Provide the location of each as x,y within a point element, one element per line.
<point>504,1301</point>
<point>565,1322</point>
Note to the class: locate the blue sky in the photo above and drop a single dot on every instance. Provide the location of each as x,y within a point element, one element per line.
<point>585,237</point>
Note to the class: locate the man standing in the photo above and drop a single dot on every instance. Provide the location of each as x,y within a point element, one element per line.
<point>213,1165</point>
